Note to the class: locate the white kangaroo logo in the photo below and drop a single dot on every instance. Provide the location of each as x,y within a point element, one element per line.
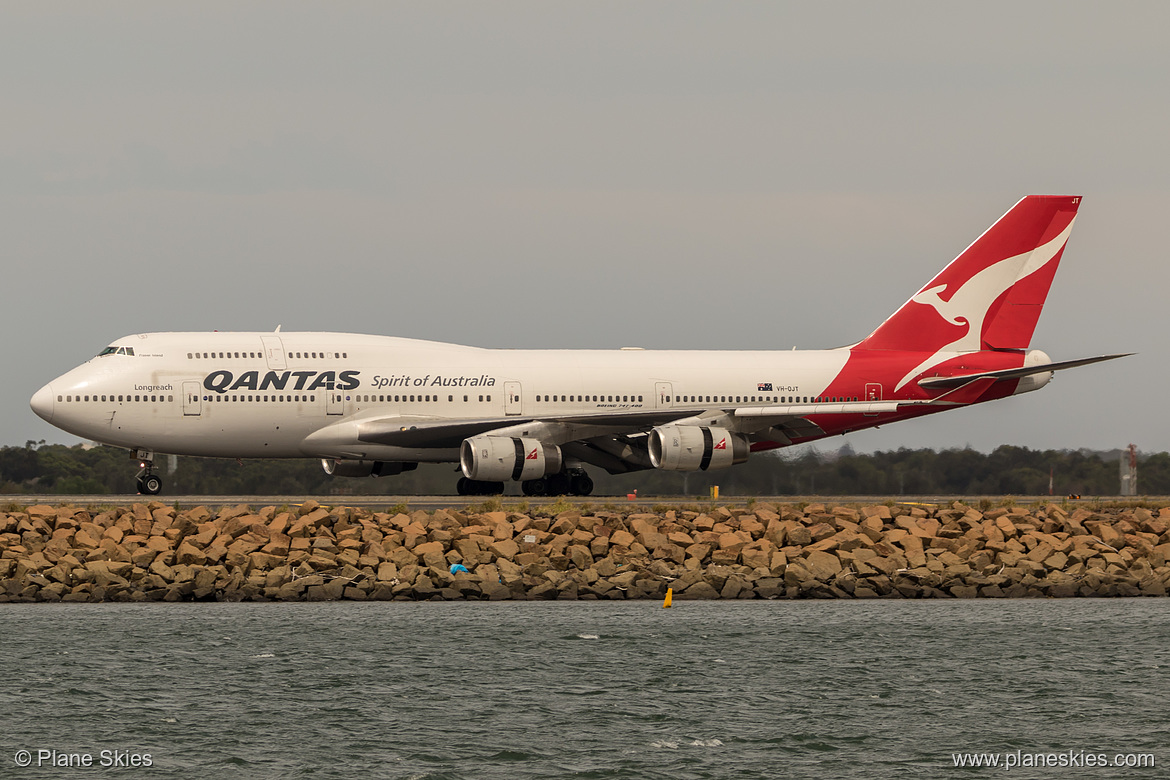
<point>971,301</point>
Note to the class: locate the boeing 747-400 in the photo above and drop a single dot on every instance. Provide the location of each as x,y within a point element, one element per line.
<point>377,405</point>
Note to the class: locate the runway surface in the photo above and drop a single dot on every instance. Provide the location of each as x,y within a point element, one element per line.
<point>520,502</point>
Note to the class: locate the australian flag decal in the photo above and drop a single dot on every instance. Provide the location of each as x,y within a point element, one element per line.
<point>764,387</point>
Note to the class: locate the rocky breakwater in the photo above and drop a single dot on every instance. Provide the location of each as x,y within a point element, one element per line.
<point>152,552</point>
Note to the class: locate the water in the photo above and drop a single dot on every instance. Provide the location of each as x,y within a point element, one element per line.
<point>820,689</point>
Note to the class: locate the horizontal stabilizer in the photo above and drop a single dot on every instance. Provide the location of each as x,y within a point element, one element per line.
<point>1013,373</point>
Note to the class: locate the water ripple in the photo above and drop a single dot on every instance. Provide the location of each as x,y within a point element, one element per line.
<point>587,690</point>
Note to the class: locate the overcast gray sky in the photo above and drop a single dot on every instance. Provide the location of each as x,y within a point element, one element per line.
<point>507,174</point>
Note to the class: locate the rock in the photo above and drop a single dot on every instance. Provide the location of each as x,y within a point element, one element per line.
<point>799,536</point>
<point>699,590</point>
<point>504,548</point>
<point>822,565</point>
<point>543,591</point>
<point>733,587</point>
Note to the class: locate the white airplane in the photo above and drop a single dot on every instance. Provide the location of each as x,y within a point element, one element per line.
<point>376,405</point>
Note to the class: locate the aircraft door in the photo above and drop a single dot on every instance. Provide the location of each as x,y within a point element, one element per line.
<point>274,352</point>
<point>512,399</point>
<point>663,394</point>
<point>333,402</point>
<point>192,399</point>
<point>873,392</point>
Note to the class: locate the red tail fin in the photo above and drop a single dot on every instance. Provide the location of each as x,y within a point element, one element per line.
<point>991,295</point>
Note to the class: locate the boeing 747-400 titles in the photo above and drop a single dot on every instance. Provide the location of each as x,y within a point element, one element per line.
<point>377,405</point>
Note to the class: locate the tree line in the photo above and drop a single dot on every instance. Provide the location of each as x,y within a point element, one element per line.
<point>58,469</point>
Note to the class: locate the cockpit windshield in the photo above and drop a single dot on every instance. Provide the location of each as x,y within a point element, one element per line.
<point>116,351</point>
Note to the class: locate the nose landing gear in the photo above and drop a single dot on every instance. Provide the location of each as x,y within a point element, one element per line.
<point>148,483</point>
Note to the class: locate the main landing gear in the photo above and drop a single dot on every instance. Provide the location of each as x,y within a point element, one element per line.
<point>149,483</point>
<point>476,487</point>
<point>573,483</point>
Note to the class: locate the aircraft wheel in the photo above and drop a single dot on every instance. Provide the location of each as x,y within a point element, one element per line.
<point>582,485</point>
<point>493,488</point>
<point>558,484</point>
<point>533,487</point>
<point>150,485</point>
<point>463,486</point>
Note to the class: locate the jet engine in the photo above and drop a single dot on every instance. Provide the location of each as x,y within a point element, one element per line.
<point>696,448</point>
<point>499,458</point>
<point>364,468</point>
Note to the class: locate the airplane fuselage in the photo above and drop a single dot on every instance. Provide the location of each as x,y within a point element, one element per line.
<point>253,395</point>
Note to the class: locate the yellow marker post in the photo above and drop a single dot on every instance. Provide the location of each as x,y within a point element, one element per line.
<point>714,492</point>
<point>666,601</point>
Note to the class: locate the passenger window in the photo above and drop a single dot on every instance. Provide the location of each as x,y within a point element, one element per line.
<point>188,355</point>
<point>464,399</point>
<point>481,399</point>
<point>489,399</point>
<point>450,398</point>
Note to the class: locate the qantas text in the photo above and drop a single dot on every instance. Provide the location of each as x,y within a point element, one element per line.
<point>226,381</point>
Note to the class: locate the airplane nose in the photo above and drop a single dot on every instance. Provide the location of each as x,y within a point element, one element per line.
<point>43,403</point>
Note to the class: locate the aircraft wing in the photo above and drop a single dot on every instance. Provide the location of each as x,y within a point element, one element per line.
<point>402,432</point>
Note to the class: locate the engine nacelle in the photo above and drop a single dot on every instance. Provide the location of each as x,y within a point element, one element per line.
<point>696,448</point>
<point>499,458</point>
<point>364,468</point>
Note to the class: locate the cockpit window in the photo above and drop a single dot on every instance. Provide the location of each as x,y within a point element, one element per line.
<point>117,351</point>
<point>108,351</point>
